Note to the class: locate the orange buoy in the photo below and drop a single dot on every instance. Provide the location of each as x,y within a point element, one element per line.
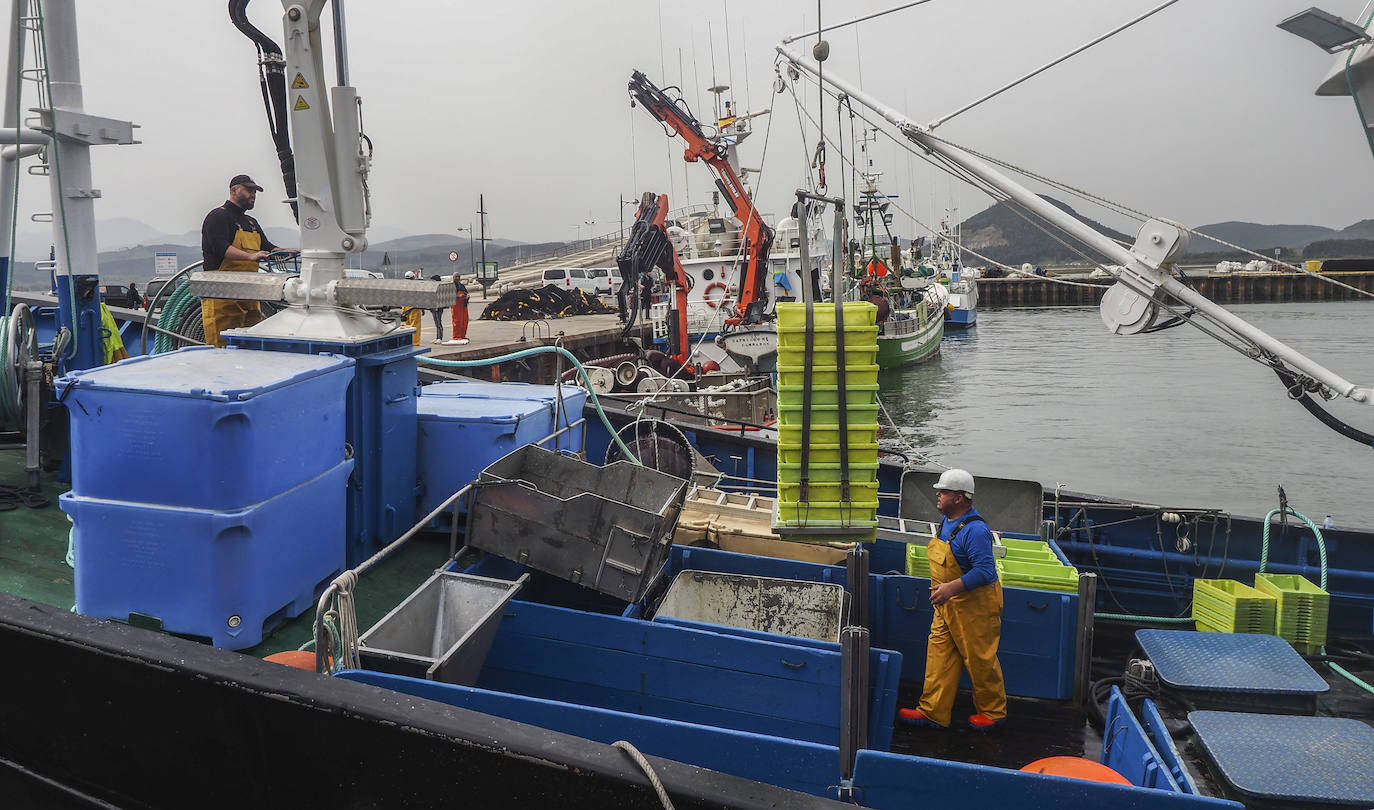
<point>300,659</point>
<point>1076,768</point>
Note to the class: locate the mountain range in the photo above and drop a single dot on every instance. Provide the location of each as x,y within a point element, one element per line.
<point>138,245</point>
<point>1000,233</point>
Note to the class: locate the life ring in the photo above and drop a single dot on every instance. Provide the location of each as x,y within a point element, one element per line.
<point>715,303</point>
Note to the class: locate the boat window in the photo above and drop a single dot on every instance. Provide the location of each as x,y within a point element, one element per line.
<point>716,225</point>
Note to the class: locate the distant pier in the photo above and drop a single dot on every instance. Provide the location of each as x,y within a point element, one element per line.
<point>1223,288</point>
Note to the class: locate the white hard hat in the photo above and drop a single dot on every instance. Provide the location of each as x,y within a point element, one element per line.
<point>410,274</point>
<point>956,481</point>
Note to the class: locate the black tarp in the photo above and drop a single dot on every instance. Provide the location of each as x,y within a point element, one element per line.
<point>547,302</point>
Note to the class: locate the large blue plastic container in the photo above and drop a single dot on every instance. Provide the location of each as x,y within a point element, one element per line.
<point>227,575</point>
<point>465,426</point>
<point>205,428</point>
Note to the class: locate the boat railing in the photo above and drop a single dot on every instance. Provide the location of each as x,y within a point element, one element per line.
<point>335,608</point>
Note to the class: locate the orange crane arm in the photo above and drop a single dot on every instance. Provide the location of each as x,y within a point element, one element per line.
<point>757,236</point>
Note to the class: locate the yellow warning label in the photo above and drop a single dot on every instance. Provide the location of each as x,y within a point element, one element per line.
<point>299,83</point>
<point>300,103</point>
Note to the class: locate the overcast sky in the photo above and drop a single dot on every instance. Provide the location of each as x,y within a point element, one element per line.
<point>1202,113</point>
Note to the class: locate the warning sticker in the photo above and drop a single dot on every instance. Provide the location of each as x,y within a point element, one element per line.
<point>299,83</point>
<point>300,103</point>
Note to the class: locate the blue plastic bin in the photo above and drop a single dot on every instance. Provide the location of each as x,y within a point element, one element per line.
<point>228,575</point>
<point>466,426</point>
<point>205,428</point>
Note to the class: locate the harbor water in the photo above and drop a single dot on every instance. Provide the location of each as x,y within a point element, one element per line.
<point>1173,418</point>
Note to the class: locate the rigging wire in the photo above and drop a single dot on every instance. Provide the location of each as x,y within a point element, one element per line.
<point>1219,332</point>
<point>937,122</point>
<point>819,30</point>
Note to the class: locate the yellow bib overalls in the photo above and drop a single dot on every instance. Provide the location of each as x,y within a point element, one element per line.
<point>219,314</point>
<point>964,633</point>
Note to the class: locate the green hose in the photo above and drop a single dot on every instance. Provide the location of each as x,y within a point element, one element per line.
<point>1321,550</point>
<point>1130,617</point>
<point>171,315</point>
<point>491,361</point>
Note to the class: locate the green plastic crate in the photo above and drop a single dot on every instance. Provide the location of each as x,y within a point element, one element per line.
<point>828,374</point>
<point>1229,606</point>
<point>830,454</point>
<point>829,473</point>
<point>861,433</point>
<point>858,338</point>
<point>827,492</point>
<point>1301,608</point>
<point>828,396</point>
<point>917,561</point>
<point>855,313</point>
<point>828,514</point>
<point>1038,576</point>
<point>856,415</point>
<point>864,354</point>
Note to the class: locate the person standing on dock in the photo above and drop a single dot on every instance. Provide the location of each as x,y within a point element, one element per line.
<point>646,291</point>
<point>460,312</point>
<point>438,315</point>
<point>231,240</point>
<point>967,625</point>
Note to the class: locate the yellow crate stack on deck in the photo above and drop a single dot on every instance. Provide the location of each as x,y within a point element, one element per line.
<point>1228,606</point>
<point>819,511</point>
<point>1300,615</point>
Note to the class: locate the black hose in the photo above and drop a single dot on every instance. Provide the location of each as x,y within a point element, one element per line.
<point>1298,392</point>
<point>272,79</point>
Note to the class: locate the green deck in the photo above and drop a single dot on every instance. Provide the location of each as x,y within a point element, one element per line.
<point>33,565</point>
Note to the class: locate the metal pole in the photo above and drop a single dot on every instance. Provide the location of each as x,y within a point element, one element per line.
<point>804,268</point>
<point>1083,641</point>
<point>340,44</point>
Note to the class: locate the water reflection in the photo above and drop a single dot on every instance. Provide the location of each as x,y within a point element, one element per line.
<point>1173,417</point>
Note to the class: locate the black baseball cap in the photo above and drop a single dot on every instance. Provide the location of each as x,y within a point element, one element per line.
<point>245,181</point>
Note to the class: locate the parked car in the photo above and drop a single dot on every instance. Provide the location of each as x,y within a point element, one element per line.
<point>602,283</point>
<point>573,278</point>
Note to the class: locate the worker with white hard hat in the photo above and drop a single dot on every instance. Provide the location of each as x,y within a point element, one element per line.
<point>967,625</point>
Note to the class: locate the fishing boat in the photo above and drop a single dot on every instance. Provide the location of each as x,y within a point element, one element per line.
<point>911,306</point>
<point>544,659</point>
<point>961,311</point>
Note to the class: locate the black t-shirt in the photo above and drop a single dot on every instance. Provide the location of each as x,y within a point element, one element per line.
<point>217,233</point>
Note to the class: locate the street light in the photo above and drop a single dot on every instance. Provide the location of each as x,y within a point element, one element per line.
<point>1327,31</point>
<point>472,255</point>
<point>624,202</point>
<point>589,223</point>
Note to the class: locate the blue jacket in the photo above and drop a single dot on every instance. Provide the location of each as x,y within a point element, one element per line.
<point>972,548</point>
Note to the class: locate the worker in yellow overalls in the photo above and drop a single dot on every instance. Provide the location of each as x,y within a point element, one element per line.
<point>232,240</point>
<point>967,625</point>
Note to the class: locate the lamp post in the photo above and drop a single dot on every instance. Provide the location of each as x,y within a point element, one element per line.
<point>624,202</point>
<point>589,223</point>
<point>472,255</point>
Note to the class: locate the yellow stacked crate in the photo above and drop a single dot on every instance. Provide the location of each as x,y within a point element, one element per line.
<point>822,507</point>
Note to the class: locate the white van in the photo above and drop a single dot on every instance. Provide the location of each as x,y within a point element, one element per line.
<point>602,282</point>
<point>574,278</point>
